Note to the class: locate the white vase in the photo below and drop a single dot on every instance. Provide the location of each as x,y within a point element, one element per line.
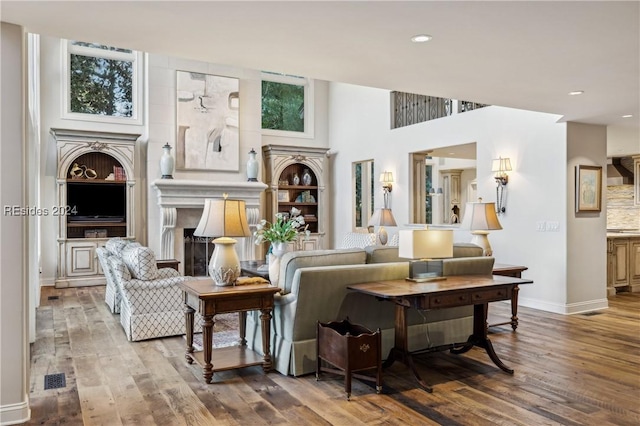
<point>278,249</point>
<point>252,167</point>
<point>166,162</point>
<point>306,177</point>
<point>224,267</point>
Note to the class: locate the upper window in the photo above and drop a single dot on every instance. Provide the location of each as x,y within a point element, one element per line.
<point>287,105</point>
<point>102,83</point>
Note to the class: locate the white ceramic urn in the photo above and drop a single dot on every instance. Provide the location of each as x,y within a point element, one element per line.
<point>252,167</point>
<point>166,162</point>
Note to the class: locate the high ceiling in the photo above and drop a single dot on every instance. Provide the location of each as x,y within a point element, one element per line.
<point>526,55</point>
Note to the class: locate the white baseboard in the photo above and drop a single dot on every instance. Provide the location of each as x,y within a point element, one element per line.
<point>564,309</point>
<point>13,414</point>
<point>44,282</point>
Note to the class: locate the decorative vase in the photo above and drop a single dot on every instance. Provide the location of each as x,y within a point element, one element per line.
<point>224,267</point>
<point>306,177</point>
<point>166,162</point>
<point>252,167</point>
<point>278,249</point>
<point>296,179</point>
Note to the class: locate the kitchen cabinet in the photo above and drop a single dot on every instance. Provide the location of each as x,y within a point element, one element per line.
<point>623,264</point>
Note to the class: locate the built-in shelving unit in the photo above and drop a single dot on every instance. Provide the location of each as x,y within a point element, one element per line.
<point>96,193</point>
<point>285,168</point>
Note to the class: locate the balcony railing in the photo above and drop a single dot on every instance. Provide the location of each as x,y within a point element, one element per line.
<point>411,108</point>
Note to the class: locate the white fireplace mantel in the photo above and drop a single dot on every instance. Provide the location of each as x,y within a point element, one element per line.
<point>176,194</point>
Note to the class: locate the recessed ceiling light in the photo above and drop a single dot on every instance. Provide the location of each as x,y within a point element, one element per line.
<point>576,92</point>
<point>627,116</point>
<point>421,38</point>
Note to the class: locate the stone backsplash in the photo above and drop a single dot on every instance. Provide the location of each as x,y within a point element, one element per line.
<point>621,211</point>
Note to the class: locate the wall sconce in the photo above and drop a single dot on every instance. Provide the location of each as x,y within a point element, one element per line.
<point>500,167</point>
<point>386,178</point>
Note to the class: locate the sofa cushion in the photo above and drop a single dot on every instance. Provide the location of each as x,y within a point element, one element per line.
<point>141,262</point>
<point>357,240</point>
<point>466,250</point>
<point>291,261</point>
<point>383,254</point>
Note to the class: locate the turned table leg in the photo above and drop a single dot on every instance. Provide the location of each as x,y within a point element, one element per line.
<point>265,318</point>
<point>188,315</point>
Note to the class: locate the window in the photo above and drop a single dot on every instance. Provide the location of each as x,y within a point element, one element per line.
<point>287,105</point>
<point>101,83</point>
<point>363,192</point>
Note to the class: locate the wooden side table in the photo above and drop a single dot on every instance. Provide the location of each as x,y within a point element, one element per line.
<point>209,300</point>
<point>167,263</point>
<point>252,268</point>
<point>510,271</point>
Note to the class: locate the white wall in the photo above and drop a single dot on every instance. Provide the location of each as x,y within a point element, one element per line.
<point>537,191</point>
<point>14,353</point>
<point>162,125</point>
<point>586,258</point>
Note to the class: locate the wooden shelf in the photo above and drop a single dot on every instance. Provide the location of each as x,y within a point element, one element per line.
<point>94,224</point>
<point>286,187</point>
<point>71,180</point>
<point>293,203</point>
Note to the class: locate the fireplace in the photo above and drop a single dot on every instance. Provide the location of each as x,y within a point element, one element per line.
<point>181,202</point>
<point>197,253</point>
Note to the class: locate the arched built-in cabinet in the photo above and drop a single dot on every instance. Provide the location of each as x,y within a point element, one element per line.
<point>96,200</point>
<point>296,177</point>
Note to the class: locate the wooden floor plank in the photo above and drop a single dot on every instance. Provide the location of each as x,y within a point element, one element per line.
<point>569,370</point>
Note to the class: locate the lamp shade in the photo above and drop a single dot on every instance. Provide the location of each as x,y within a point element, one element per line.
<point>480,217</point>
<point>386,177</point>
<point>223,218</point>
<point>425,243</point>
<point>500,165</point>
<point>382,217</point>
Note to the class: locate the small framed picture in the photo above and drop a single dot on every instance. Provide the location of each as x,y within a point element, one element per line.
<point>283,196</point>
<point>588,188</point>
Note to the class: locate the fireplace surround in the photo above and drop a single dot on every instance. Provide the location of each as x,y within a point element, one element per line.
<point>181,202</point>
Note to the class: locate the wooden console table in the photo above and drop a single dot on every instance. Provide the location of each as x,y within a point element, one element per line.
<point>462,290</point>
<point>209,300</point>
<point>510,271</point>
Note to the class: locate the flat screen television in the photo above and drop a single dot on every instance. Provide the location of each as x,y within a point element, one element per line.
<point>96,202</point>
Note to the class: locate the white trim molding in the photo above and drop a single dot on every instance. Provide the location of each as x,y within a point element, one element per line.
<point>565,309</point>
<point>14,414</point>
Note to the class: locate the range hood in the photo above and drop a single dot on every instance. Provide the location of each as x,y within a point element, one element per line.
<point>617,174</point>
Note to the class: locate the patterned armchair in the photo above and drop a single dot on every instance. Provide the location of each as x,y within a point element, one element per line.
<point>151,304</point>
<point>113,247</point>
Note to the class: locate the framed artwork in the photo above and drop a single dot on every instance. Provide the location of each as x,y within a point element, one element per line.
<point>283,196</point>
<point>207,124</point>
<point>588,188</point>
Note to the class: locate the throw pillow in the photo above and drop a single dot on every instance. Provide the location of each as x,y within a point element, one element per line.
<point>141,262</point>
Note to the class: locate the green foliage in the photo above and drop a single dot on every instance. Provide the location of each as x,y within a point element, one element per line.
<point>284,229</point>
<point>282,106</point>
<point>101,86</point>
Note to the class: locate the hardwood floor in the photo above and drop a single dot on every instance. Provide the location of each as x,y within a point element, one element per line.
<point>569,370</point>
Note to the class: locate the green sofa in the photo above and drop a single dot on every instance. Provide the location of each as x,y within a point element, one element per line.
<point>314,287</point>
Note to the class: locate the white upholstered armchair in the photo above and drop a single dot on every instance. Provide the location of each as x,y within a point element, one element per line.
<point>152,304</point>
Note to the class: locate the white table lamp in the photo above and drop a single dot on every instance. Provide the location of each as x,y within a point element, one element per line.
<point>426,245</point>
<point>382,218</point>
<point>481,218</point>
<point>223,218</point>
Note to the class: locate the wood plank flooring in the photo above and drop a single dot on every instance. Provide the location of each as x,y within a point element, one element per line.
<point>569,370</point>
